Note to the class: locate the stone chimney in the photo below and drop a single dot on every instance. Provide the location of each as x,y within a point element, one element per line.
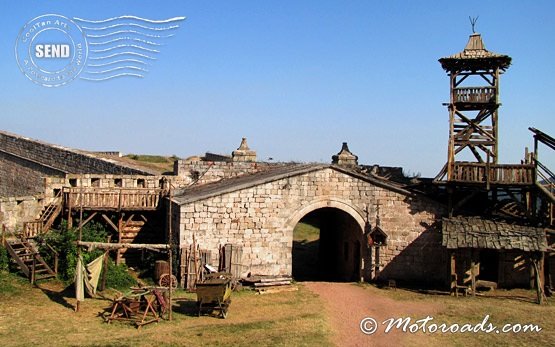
<point>345,157</point>
<point>244,153</point>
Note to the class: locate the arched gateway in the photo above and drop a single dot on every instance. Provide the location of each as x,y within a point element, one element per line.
<point>333,249</point>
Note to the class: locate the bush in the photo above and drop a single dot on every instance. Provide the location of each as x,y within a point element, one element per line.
<point>118,277</point>
<point>4,259</point>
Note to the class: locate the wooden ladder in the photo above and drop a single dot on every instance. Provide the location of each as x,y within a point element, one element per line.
<point>29,260</point>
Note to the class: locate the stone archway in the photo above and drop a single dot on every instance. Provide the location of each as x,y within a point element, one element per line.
<point>335,253</point>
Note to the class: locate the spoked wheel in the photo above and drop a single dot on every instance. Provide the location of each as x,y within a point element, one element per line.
<point>165,280</point>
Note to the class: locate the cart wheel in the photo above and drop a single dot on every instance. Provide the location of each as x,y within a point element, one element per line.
<point>165,281</point>
<point>224,314</point>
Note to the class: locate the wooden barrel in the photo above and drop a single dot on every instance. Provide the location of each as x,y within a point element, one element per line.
<point>161,267</point>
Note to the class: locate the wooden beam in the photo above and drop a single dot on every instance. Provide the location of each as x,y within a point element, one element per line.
<point>107,245</point>
<point>110,222</point>
<point>88,219</point>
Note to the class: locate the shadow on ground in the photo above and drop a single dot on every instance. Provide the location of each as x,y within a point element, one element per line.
<point>59,296</point>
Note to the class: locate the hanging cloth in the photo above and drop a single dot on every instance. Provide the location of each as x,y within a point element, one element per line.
<point>94,268</point>
<point>87,277</point>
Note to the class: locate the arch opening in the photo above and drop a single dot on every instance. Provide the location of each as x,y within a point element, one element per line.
<point>327,246</point>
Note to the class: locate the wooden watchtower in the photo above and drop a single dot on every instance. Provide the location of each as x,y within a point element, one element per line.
<point>472,155</point>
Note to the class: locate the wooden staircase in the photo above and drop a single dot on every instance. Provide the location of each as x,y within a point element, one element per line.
<point>511,208</point>
<point>46,219</point>
<point>136,229</point>
<point>26,255</point>
<point>545,178</point>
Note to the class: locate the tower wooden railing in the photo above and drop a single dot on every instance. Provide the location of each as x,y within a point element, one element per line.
<point>501,174</point>
<point>474,94</point>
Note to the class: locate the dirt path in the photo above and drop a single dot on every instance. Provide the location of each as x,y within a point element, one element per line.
<point>347,304</point>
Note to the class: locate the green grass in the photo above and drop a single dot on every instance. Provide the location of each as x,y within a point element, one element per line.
<point>11,284</point>
<point>306,232</point>
<point>151,158</point>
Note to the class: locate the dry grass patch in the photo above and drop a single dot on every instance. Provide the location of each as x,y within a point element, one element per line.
<point>44,316</point>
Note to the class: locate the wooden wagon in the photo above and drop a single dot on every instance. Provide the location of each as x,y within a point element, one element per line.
<point>214,294</point>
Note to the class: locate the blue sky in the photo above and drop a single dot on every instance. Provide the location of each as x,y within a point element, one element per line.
<point>296,78</point>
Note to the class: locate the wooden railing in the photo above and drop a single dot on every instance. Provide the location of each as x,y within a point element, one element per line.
<point>474,94</point>
<point>115,198</point>
<point>32,229</point>
<point>46,219</point>
<point>504,174</point>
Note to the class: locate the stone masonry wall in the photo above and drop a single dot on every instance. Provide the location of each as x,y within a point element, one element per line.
<point>14,211</point>
<point>61,158</point>
<point>20,177</point>
<point>262,218</point>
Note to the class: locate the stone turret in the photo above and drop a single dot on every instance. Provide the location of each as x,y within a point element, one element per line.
<point>345,157</point>
<point>244,153</point>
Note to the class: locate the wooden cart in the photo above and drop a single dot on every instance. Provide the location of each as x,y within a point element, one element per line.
<point>214,294</point>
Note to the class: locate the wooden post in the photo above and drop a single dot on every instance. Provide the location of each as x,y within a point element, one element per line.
<point>377,262</point>
<point>473,272</point>
<point>451,146</point>
<point>118,252</point>
<point>182,262</point>
<point>540,281</point>
<point>80,237</point>
<point>536,261</point>
<point>69,217</point>
<point>33,271</point>
<point>488,168</point>
<point>56,263</point>
<point>195,268</point>
<point>453,273</point>
<point>170,242</point>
